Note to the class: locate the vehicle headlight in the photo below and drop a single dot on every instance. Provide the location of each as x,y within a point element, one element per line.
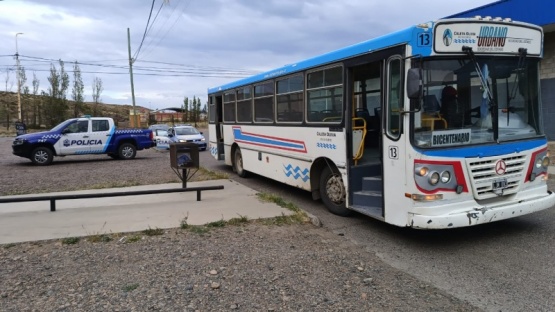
<point>445,176</point>
<point>545,161</point>
<point>422,171</point>
<point>203,139</point>
<point>18,142</point>
<point>434,178</point>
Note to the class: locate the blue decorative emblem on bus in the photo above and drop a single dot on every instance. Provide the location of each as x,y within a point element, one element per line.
<point>447,37</point>
<point>268,141</point>
<point>296,172</point>
<point>326,145</point>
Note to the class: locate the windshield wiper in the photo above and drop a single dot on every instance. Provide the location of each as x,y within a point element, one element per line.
<point>483,80</point>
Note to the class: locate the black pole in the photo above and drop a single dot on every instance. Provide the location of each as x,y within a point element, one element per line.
<point>184,178</point>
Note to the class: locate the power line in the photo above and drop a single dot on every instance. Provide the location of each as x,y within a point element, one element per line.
<point>146,29</point>
<point>185,69</point>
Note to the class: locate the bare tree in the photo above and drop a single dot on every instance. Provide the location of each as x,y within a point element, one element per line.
<point>77,90</point>
<point>96,91</point>
<point>22,77</point>
<point>55,107</point>
<point>7,78</point>
<point>37,120</point>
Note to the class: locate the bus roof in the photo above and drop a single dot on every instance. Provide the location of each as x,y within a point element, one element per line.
<point>382,42</point>
<point>378,43</point>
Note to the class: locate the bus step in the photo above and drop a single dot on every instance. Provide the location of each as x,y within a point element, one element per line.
<point>372,183</point>
<point>367,198</point>
<point>374,212</point>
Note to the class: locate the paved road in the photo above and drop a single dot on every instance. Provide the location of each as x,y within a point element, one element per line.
<point>502,266</point>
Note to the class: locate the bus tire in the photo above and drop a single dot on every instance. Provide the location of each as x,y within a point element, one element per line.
<point>127,151</point>
<point>332,192</point>
<point>42,156</point>
<point>238,163</point>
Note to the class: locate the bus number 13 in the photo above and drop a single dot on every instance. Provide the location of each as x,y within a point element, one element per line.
<point>393,152</point>
<point>424,39</point>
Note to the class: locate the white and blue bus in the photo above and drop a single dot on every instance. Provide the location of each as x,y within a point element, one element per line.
<point>435,126</point>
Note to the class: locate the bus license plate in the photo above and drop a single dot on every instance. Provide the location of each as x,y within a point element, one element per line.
<point>499,184</point>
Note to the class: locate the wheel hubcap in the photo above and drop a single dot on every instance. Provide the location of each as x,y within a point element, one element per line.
<point>239,162</point>
<point>335,189</point>
<point>41,157</point>
<point>127,152</point>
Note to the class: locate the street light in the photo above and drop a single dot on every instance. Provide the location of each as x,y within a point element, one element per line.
<point>18,81</point>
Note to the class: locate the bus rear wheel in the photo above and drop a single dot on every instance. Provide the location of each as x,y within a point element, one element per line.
<point>238,163</point>
<point>332,192</point>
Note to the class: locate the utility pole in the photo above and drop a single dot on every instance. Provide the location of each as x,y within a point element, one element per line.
<point>134,118</point>
<point>18,80</point>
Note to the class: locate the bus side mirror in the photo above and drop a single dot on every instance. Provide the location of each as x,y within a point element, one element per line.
<point>414,84</point>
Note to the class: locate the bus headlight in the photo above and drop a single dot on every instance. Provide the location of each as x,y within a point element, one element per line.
<point>445,177</point>
<point>545,161</point>
<point>434,178</point>
<point>422,171</point>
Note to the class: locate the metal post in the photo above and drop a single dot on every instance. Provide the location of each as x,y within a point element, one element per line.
<point>184,178</point>
<point>134,123</point>
<point>18,80</point>
<point>52,205</point>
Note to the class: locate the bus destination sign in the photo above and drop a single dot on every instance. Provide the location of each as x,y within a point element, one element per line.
<point>486,38</point>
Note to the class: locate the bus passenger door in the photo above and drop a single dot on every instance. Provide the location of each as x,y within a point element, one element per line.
<point>218,120</point>
<point>394,144</point>
<point>365,173</point>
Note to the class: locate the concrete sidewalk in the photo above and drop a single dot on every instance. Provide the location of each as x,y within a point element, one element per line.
<point>31,221</point>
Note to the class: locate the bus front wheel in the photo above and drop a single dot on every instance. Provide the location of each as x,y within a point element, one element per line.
<point>238,163</point>
<point>332,192</point>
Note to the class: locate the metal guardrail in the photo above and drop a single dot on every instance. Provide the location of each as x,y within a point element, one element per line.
<point>54,198</point>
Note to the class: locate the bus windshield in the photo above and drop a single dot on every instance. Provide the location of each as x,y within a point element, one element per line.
<point>478,100</point>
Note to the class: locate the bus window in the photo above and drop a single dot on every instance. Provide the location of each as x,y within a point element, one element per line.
<point>290,105</point>
<point>212,110</point>
<point>264,102</point>
<point>325,95</point>
<point>229,107</point>
<point>395,102</point>
<point>244,105</point>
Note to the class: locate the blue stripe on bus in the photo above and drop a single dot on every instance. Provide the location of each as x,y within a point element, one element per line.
<point>485,150</point>
<point>382,42</point>
<point>268,141</point>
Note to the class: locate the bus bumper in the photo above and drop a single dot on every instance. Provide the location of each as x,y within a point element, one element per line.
<point>482,214</point>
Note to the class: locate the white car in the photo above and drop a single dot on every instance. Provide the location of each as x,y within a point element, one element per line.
<point>190,134</point>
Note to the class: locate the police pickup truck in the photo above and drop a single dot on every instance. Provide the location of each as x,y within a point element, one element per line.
<point>82,136</point>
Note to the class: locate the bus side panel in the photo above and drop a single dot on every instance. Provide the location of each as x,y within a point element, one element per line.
<point>285,154</point>
<point>213,141</point>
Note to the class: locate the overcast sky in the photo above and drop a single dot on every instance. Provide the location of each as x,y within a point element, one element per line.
<point>191,45</point>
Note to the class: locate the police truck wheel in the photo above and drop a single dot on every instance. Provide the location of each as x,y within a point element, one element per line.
<point>332,192</point>
<point>238,163</point>
<point>127,151</point>
<point>42,156</point>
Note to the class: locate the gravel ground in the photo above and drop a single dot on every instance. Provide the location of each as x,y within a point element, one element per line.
<point>248,267</point>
